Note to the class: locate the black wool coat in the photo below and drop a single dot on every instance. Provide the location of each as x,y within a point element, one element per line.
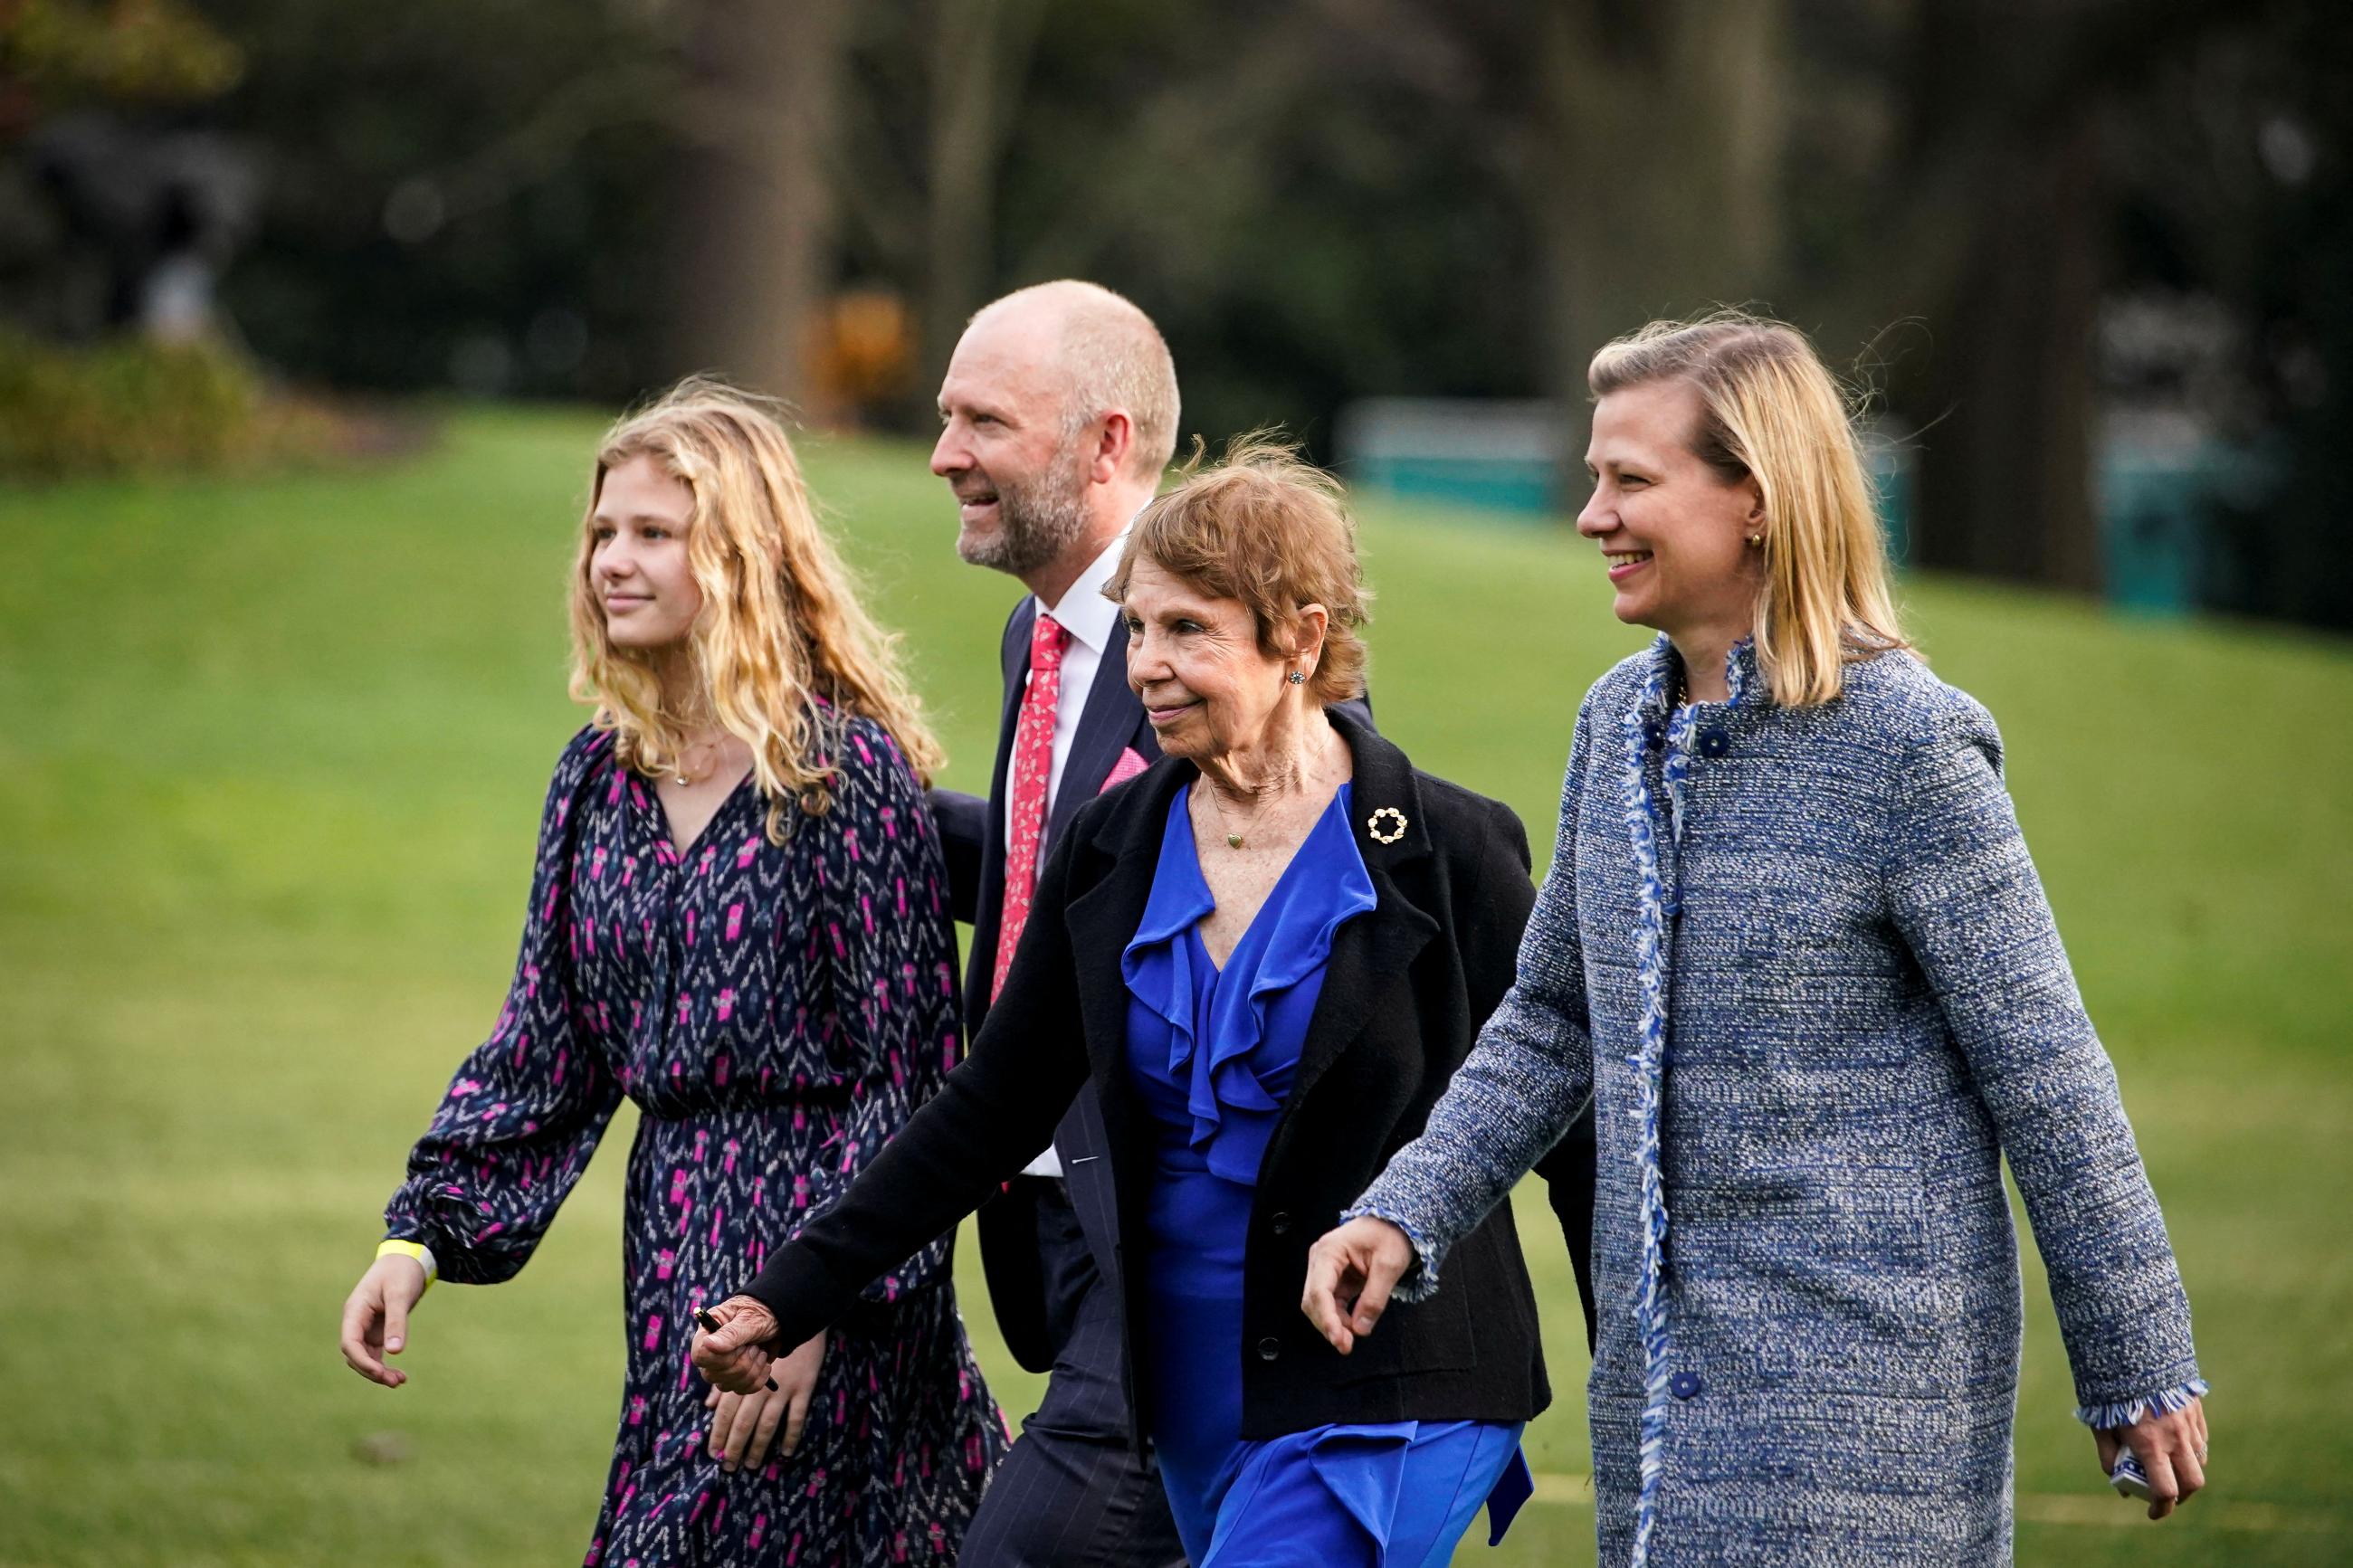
<point>1405,991</point>
<point>972,830</point>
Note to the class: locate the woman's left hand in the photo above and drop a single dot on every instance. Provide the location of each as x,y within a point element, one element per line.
<point>2171,1448</point>
<point>735,1358</point>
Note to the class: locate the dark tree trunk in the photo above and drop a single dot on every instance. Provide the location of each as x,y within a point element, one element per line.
<point>757,224</point>
<point>1995,244</point>
<point>980,54</point>
<point>1653,166</point>
<point>2005,478</point>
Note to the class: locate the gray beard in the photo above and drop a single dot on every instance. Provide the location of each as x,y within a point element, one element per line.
<point>1037,520</point>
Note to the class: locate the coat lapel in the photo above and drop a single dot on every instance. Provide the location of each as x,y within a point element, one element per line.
<point>981,962</point>
<point>1017,671</point>
<point>1103,919</point>
<point>1100,921</point>
<point>1370,954</point>
<point>1008,719</point>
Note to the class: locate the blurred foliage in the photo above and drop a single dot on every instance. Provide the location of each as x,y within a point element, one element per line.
<point>1339,198</point>
<point>131,406</point>
<point>61,54</point>
<point>1316,207</point>
<point>2253,206</point>
<point>459,193</point>
<point>511,230</point>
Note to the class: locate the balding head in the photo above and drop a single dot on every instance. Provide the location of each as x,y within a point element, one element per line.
<point>1105,354</point>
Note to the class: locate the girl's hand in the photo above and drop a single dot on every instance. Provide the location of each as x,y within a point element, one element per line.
<point>736,1359</point>
<point>1350,1273</point>
<point>745,1424</point>
<point>2171,1448</point>
<point>376,1317</point>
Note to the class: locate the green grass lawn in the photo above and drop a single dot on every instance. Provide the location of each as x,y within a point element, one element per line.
<point>273,754</point>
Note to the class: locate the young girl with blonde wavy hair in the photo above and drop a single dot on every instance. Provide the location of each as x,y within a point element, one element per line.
<point>738,921</point>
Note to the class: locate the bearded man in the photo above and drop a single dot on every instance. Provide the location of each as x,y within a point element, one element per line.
<point>1058,414</point>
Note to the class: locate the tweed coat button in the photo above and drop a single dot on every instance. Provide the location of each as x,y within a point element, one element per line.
<point>1713,743</point>
<point>1687,1386</point>
<point>1268,1348</point>
<point>1279,1221</point>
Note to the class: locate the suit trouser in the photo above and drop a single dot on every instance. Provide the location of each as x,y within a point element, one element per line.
<point>1072,1494</point>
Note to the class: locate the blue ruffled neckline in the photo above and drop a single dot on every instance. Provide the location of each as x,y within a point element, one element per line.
<point>1169,970</point>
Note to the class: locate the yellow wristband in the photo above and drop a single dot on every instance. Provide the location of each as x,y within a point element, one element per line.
<point>416,1249</point>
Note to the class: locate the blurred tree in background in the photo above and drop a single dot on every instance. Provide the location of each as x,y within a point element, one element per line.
<point>461,193</point>
<point>2236,215</point>
<point>2055,235</point>
<point>100,188</point>
<point>115,221</point>
<point>70,54</point>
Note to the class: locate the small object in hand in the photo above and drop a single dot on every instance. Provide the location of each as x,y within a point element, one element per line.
<point>2128,1479</point>
<point>710,1326</point>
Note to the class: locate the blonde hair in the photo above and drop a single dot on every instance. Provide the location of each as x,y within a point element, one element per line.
<point>1266,528</point>
<point>1769,408</point>
<point>781,633</point>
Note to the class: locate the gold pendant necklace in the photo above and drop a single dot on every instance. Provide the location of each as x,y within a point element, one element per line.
<point>680,773</point>
<point>1216,807</point>
<point>1233,840</point>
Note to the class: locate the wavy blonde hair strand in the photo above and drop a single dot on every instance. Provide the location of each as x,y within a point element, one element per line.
<point>781,633</point>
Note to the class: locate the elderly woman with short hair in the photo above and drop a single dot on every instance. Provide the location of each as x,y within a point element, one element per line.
<point>1792,947</point>
<point>1268,952</point>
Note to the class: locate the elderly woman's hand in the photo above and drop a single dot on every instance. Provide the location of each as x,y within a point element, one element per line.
<point>1350,1273</point>
<point>734,1357</point>
<point>2171,1448</point>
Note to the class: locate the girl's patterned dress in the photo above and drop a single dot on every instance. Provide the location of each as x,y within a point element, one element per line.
<point>776,1013</point>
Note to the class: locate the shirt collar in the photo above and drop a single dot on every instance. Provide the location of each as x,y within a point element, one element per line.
<point>1083,612</point>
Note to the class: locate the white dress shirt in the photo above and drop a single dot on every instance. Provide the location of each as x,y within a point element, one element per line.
<point>1090,618</point>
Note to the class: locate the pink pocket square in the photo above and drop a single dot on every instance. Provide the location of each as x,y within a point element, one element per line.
<point>1129,764</point>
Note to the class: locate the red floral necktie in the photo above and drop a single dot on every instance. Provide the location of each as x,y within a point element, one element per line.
<point>1033,766</point>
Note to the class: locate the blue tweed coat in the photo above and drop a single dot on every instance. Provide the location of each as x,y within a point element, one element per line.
<point>1803,961</point>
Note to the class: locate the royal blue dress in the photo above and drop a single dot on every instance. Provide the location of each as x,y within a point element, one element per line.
<point>1212,1054</point>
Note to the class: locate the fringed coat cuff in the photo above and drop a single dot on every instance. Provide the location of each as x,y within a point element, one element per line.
<point>1419,1282</point>
<point>2125,1413</point>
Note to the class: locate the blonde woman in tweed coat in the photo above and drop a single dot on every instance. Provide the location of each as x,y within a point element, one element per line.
<point>1793,948</point>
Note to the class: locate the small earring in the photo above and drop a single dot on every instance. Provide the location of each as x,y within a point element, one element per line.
<point>1755,540</point>
<point>1296,679</point>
